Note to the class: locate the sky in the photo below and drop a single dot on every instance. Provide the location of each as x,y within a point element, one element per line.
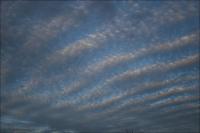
<point>100,66</point>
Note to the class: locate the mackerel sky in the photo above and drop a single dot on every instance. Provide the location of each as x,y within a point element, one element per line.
<point>100,66</point>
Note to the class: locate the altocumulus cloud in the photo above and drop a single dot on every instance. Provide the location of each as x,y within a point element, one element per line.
<point>100,66</point>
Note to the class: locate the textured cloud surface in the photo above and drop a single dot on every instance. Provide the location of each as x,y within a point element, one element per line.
<point>91,66</point>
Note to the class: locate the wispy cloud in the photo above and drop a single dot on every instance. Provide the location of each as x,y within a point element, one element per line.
<point>107,66</point>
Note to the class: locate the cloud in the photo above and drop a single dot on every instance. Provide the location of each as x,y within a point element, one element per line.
<point>89,66</point>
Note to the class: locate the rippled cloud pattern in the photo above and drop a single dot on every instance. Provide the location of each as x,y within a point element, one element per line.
<point>100,66</point>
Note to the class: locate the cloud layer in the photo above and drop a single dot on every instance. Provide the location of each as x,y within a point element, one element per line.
<point>84,66</point>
